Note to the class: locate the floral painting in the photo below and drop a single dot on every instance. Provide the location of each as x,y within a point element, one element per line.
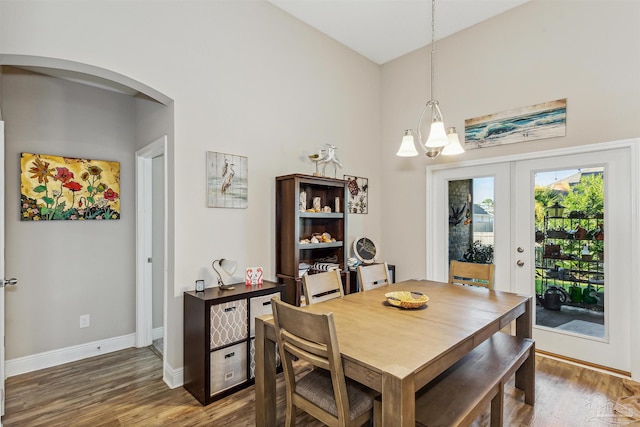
<point>65,188</point>
<point>227,180</point>
<point>358,194</point>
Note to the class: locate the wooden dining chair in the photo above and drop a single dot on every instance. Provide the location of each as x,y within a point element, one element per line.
<point>324,393</point>
<point>373,276</point>
<point>469,273</point>
<point>322,286</point>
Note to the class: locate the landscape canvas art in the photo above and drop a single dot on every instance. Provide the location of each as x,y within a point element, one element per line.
<point>227,180</point>
<point>67,188</point>
<point>546,120</point>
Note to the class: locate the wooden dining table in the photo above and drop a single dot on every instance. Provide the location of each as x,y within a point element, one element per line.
<point>397,351</point>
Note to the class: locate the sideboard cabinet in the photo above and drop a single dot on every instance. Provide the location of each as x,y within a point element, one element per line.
<point>219,338</point>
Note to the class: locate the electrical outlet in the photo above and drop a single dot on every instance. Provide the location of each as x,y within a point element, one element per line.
<point>85,321</point>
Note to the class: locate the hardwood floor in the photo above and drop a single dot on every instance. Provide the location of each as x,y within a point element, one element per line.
<point>126,389</point>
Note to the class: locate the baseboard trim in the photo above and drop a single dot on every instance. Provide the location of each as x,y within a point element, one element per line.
<point>174,378</point>
<point>582,363</point>
<point>157,333</point>
<point>47,359</point>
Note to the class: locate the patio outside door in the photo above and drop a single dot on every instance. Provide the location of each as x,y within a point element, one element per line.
<point>604,282</point>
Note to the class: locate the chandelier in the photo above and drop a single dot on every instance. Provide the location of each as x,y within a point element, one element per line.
<point>438,141</point>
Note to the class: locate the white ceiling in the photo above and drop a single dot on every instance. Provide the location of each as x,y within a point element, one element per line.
<point>383,30</point>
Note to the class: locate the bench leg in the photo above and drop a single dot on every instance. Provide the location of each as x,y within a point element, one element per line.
<point>526,377</point>
<point>497,407</point>
<point>377,412</point>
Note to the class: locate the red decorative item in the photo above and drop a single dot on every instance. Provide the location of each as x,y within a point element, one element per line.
<point>254,276</point>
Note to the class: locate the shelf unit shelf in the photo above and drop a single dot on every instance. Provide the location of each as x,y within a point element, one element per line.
<point>560,264</point>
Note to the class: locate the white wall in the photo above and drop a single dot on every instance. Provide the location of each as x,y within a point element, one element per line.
<point>246,79</point>
<point>585,51</point>
<point>67,268</point>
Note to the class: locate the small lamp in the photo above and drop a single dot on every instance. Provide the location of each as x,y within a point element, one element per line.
<point>556,210</point>
<point>229,267</point>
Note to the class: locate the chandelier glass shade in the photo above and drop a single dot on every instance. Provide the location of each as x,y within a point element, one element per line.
<point>408,147</point>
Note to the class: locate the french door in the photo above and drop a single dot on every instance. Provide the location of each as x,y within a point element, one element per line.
<point>599,268</point>
<point>583,255</point>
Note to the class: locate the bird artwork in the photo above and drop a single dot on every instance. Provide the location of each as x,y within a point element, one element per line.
<point>329,156</point>
<point>227,175</point>
<point>457,215</point>
<point>314,158</point>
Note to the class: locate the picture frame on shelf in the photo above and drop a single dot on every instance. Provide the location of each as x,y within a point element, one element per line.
<point>254,276</point>
<point>365,249</point>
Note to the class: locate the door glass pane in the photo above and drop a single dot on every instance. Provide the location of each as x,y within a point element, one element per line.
<point>471,236</point>
<point>570,248</point>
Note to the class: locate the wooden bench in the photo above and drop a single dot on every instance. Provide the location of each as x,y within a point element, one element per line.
<point>461,393</point>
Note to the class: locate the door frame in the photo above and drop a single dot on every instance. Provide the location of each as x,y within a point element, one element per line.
<point>144,232</point>
<point>2,273</point>
<point>432,244</point>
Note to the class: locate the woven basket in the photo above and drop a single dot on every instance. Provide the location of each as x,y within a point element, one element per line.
<point>406,299</point>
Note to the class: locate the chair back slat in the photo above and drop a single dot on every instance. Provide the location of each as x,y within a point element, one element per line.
<point>373,276</point>
<point>322,286</point>
<point>468,273</point>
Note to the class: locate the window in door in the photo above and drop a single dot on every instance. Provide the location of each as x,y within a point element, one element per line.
<point>471,208</point>
<point>569,250</point>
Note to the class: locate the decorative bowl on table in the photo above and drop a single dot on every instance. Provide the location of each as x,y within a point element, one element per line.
<point>405,299</point>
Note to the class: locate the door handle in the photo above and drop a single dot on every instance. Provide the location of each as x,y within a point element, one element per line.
<point>520,249</point>
<point>8,282</point>
<point>520,263</point>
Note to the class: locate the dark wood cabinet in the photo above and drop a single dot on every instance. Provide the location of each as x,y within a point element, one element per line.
<point>219,338</point>
<point>295,195</point>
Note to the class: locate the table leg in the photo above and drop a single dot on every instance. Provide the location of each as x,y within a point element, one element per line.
<point>265,386</point>
<point>526,374</point>
<point>398,400</point>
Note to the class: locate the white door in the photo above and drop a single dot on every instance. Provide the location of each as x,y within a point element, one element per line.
<point>515,243</point>
<point>598,329</point>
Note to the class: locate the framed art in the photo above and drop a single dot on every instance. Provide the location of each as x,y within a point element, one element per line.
<point>227,180</point>
<point>365,250</point>
<point>254,276</point>
<point>358,187</point>
<point>68,188</point>
<point>545,120</point>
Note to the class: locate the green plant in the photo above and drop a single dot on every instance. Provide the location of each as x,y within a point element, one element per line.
<point>479,253</point>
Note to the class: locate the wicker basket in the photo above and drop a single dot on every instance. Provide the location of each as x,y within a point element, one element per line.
<point>406,299</point>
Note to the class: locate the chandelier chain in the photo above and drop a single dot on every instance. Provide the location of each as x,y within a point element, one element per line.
<point>433,47</point>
